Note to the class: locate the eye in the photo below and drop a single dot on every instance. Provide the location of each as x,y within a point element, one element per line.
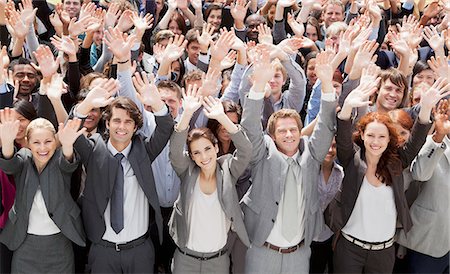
<point>207,148</point>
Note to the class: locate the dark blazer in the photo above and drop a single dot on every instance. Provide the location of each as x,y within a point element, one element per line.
<point>101,167</point>
<point>54,181</point>
<point>229,169</point>
<point>269,168</point>
<point>352,159</point>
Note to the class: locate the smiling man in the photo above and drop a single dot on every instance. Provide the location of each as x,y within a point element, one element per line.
<point>26,75</point>
<point>392,91</point>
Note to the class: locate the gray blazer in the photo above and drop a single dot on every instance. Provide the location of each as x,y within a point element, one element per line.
<point>269,173</point>
<point>228,170</point>
<point>54,181</point>
<point>430,233</point>
<point>101,167</point>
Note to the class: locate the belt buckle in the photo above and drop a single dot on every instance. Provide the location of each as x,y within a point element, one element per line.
<point>117,247</point>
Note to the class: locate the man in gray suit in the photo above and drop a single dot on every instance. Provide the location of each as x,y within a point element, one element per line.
<point>119,202</point>
<point>428,241</point>
<point>281,210</point>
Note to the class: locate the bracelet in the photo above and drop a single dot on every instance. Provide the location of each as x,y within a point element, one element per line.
<point>118,62</point>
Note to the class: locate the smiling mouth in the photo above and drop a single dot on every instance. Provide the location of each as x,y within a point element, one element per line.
<point>206,162</point>
<point>43,154</point>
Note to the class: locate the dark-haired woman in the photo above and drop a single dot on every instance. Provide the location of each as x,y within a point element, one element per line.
<point>372,195</point>
<point>208,206</point>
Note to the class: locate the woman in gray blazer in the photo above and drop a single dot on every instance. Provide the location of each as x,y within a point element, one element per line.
<point>208,206</point>
<point>44,218</point>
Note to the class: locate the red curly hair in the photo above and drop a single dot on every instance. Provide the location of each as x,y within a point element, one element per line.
<point>389,163</point>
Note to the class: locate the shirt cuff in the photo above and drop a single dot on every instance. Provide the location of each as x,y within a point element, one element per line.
<point>255,95</point>
<point>78,115</point>
<point>408,6</point>
<point>163,112</point>
<point>204,58</point>
<point>329,97</point>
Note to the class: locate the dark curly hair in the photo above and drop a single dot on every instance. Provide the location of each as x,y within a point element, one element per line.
<point>389,164</point>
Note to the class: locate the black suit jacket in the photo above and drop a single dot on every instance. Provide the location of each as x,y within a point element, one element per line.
<point>101,167</point>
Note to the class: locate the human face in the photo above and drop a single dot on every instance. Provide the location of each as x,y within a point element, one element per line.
<point>215,19</point>
<point>376,138</point>
<point>121,128</point>
<point>311,71</point>
<point>311,32</point>
<point>72,7</point>
<point>193,51</point>
<point>42,144</point>
<point>337,87</point>
<point>403,133</point>
<point>170,98</point>
<point>173,26</point>
<point>23,123</point>
<point>98,37</point>
<point>332,13</point>
<point>425,76</point>
<point>92,119</point>
<point>27,77</point>
<point>389,97</point>
<point>175,67</point>
<point>222,133</point>
<point>204,153</point>
<point>277,82</point>
<point>252,31</point>
<point>331,155</point>
<point>286,136</point>
<point>159,5</point>
<point>417,94</point>
<point>271,14</point>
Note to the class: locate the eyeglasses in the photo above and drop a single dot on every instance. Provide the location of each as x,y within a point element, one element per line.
<point>21,76</point>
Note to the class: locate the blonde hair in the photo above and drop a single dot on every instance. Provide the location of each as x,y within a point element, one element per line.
<point>39,123</point>
<point>336,28</point>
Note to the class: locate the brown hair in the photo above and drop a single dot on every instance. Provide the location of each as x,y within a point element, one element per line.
<point>198,133</point>
<point>87,79</point>
<point>171,85</point>
<point>315,23</point>
<point>193,75</point>
<point>128,105</point>
<point>282,114</point>
<point>389,163</point>
<point>178,18</point>
<point>397,79</point>
<point>209,9</point>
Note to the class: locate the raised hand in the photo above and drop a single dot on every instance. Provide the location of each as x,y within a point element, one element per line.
<point>147,92</point>
<point>430,97</point>
<point>9,127</point>
<point>4,62</point>
<point>182,4</point>
<point>441,121</point>
<point>87,10</point>
<point>142,23</point>
<point>16,26</point>
<point>56,22</point>
<point>27,13</point>
<point>125,21</point>
<point>205,39</point>
<point>174,49</point>
<point>440,66</point>
<point>68,134</point>
<point>64,15</point>
<point>221,47</point>
<point>359,97</point>
<point>192,99</point>
<point>296,27</point>
<point>370,73</point>
<point>99,96</point>
<point>119,43</point>
<point>65,44</point>
<point>324,70</point>
<point>47,63</point>
<point>209,84</point>
<point>228,61</point>
<point>196,4</point>
<point>238,44</point>
<point>264,34</point>
<point>400,46</point>
<point>285,3</point>
<point>363,57</point>
<point>78,27</point>
<point>431,35</point>
<point>239,10</point>
<point>55,88</point>
<point>262,69</point>
<point>213,108</point>
<point>158,52</point>
<point>112,15</point>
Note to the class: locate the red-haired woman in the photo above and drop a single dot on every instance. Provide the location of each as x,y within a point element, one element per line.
<point>372,195</point>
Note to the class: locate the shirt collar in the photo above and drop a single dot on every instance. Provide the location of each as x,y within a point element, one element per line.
<point>294,157</point>
<point>114,151</point>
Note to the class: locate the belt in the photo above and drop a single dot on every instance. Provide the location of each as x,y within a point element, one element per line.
<point>201,258</point>
<point>284,250</point>
<point>368,245</point>
<point>124,246</point>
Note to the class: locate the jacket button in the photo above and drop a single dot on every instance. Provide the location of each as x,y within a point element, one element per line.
<point>231,219</point>
<point>51,215</point>
<point>273,221</point>
<point>276,203</point>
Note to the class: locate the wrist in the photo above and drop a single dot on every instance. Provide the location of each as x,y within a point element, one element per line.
<point>438,138</point>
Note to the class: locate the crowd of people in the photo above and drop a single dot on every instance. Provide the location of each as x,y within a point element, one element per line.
<point>221,136</point>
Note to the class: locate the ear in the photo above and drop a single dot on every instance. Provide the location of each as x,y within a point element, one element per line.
<point>107,124</point>
<point>216,146</point>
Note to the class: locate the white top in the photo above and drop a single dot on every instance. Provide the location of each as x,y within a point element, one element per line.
<point>276,235</point>
<point>208,226</point>
<point>39,222</point>
<point>136,206</point>
<point>374,216</point>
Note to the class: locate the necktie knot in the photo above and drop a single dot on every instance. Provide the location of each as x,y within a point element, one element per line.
<point>119,156</point>
<point>290,161</point>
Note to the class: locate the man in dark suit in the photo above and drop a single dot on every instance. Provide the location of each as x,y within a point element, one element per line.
<point>119,202</point>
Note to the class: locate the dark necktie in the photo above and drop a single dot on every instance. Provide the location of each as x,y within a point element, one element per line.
<point>117,198</point>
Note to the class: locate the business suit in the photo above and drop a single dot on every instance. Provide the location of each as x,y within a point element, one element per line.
<point>229,169</point>
<point>430,232</point>
<point>101,168</point>
<point>353,160</point>
<point>269,170</point>
<point>54,182</point>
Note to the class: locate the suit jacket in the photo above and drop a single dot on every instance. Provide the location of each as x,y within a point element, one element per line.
<point>54,181</point>
<point>430,233</point>
<point>352,159</point>
<point>101,168</point>
<point>269,173</point>
<point>229,169</point>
